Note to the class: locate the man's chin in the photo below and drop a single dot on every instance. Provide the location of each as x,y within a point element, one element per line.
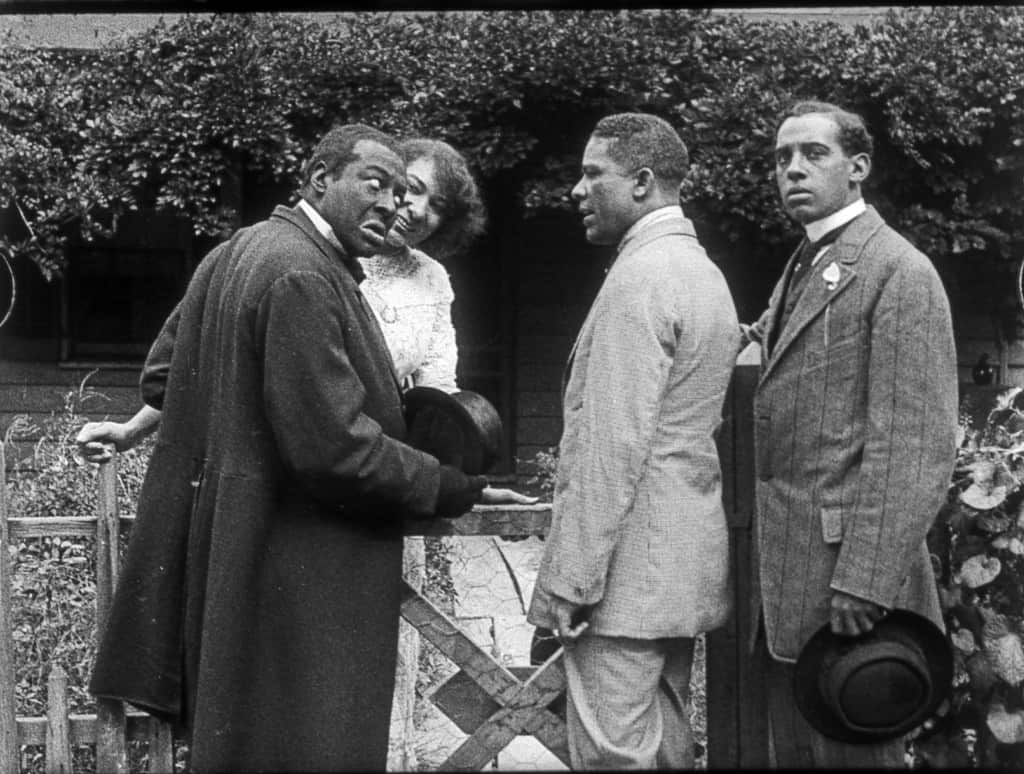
<point>394,240</point>
<point>597,238</point>
<point>802,214</point>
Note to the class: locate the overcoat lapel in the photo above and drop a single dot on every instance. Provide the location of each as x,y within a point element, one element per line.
<point>818,294</point>
<point>298,218</point>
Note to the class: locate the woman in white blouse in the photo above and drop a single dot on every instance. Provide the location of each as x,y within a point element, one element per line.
<point>407,288</point>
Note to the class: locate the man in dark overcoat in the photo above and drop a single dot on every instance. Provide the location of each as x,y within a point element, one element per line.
<point>259,601</point>
<point>855,421</point>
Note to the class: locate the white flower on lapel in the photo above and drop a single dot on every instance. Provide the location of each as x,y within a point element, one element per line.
<point>831,276</point>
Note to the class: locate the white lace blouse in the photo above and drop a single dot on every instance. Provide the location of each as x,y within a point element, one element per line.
<point>412,296</point>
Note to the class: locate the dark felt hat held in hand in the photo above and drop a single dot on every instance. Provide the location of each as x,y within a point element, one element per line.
<point>461,429</point>
<point>878,686</point>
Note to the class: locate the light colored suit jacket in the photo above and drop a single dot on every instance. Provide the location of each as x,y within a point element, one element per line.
<point>638,530</point>
<point>855,420</point>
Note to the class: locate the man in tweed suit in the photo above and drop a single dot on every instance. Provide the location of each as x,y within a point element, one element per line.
<point>636,562</point>
<point>855,415</point>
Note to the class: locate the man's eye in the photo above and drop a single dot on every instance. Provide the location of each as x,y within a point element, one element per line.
<point>375,184</point>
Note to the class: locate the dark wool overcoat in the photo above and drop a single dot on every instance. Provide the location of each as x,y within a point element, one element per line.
<point>259,600</point>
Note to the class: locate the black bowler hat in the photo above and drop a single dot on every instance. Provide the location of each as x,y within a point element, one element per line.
<point>878,686</point>
<point>460,428</point>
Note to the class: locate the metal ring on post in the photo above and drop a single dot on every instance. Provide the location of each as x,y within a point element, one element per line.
<point>1020,283</point>
<point>14,289</point>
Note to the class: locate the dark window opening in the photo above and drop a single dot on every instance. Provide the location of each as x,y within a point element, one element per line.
<point>117,298</point>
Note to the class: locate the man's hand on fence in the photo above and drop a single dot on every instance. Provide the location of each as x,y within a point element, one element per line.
<point>497,496</point>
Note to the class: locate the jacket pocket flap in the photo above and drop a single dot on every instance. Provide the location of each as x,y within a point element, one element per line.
<point>832,524</point>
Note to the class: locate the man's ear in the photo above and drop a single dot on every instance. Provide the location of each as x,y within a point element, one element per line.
<point>861,167</point>
<point>318,177</point>
<point>644,183</point>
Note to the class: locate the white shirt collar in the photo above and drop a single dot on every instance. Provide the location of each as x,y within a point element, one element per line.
<point>652,217</point>
<point>818,228</point>
<point>320,224</point>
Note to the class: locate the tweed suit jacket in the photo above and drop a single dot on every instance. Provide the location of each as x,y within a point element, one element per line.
<point>855,419</point>
<point>638,530</point>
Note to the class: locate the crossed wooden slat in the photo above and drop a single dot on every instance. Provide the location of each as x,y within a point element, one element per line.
<point>505,705</point>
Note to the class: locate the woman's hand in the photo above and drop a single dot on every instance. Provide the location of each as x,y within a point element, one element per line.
<point>495,496</point>
<point>98,440</point>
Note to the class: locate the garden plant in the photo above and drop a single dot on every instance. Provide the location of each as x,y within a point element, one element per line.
<point>977,546</point>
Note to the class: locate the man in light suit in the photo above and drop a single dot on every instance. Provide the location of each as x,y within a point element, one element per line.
<point>855,415</point>
<point>636,562</point>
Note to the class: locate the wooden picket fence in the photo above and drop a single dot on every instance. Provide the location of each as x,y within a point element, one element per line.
<point>111,727</point>
<point>502,703</point>
<point>490,702</point>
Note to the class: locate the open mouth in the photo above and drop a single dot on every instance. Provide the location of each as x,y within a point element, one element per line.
<point>375,231</point>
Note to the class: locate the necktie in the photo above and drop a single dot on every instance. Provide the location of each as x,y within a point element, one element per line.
<point>805,255</point>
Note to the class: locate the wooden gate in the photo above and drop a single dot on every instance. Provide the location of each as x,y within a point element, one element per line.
<point>490,702</point>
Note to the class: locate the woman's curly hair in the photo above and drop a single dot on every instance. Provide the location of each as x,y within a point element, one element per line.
<point>458,197</point>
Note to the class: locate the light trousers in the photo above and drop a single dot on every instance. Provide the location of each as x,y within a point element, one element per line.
<point>629,703</point>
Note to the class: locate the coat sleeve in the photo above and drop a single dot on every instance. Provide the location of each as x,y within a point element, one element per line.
<point>314,400</point>
<point>910,442</point>
<point>754,332</point>
<point>608,436</point>
<point>153,382</point>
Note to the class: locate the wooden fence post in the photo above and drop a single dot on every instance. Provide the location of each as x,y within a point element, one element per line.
<point>10,751</point>
<point>111,748</point>
<point>161,748</point>
<point>58,729</point>
<point>737,726</point>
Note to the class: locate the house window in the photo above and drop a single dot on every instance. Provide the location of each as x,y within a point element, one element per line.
<point>117,292</point>
<point>117,297</point>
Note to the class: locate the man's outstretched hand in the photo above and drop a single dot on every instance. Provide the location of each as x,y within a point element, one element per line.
<point>458,493</point>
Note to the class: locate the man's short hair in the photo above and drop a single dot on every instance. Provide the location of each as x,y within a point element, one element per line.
<point>854,136</point>
<point>336,148</point>
<point>644,140</point>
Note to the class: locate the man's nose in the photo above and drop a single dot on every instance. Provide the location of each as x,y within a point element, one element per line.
<point>388,202</point>
<point>795,169</point>
<point>577,193</point>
